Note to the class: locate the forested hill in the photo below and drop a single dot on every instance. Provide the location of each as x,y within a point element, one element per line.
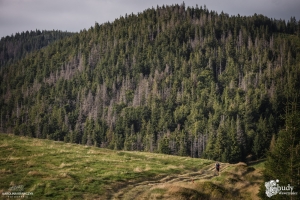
<point>17,46</point>
<point>172,79</point>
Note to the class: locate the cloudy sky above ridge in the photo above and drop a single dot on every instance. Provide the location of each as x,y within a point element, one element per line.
<point>75,15</point>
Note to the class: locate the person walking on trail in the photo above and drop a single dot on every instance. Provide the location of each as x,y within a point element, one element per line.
<point>218,167</point>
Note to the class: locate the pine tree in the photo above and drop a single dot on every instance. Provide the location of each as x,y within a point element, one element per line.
<point>221,150</point>
<point>283,160</point>
<point>234,147</point>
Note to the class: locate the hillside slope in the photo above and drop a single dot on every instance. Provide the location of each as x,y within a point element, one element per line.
<point>235,181</point>
<point>56,170</point>
<point>173,79</point>
<point>16,47</point>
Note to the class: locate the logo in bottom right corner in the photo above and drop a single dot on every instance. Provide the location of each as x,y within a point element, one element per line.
<point>273,188</point>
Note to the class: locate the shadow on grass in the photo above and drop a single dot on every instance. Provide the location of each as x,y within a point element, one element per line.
<point>255,162</point>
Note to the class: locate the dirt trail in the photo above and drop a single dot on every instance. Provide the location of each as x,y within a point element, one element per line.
<point>140,189</point>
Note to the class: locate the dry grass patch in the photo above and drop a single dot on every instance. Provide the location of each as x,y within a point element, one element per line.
<point>30,163</point>
<point>172,167</point>
<point>62,165</point>
<point>5,171</point>
<point>14,158</point>
<point>64,175</point>
<point>93,152</point>
<point>175,191</point>
<point>62,151</point>
<point>50,178</point>
<point>35,173</point>
<point>89,169</point>
<point>50,166</point>
<point>4,145</point>
<point>138,169</point>
<point>38,143</point>
<point>36,155</point>
<point>157,192</point>
<point>147,168</point>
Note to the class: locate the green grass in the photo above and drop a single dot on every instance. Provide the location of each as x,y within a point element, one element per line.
<point>57,170</point>
<point>259,164</point>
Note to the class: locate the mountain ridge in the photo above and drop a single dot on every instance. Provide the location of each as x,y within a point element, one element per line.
<point>175,80</point>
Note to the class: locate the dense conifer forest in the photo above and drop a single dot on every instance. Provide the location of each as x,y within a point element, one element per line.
<point>17,46</point>
<point>173,79</point>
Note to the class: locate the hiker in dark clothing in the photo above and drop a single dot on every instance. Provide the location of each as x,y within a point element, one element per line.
<point>218,167</point>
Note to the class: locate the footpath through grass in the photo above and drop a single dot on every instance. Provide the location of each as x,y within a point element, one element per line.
<point>47,169</point>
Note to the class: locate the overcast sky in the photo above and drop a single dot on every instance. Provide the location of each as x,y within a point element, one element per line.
<point>75,15</point>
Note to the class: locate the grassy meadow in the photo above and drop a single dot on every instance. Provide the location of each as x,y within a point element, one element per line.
<point>58,170</point>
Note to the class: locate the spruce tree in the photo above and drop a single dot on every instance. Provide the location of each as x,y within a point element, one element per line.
<point>283,160</point>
